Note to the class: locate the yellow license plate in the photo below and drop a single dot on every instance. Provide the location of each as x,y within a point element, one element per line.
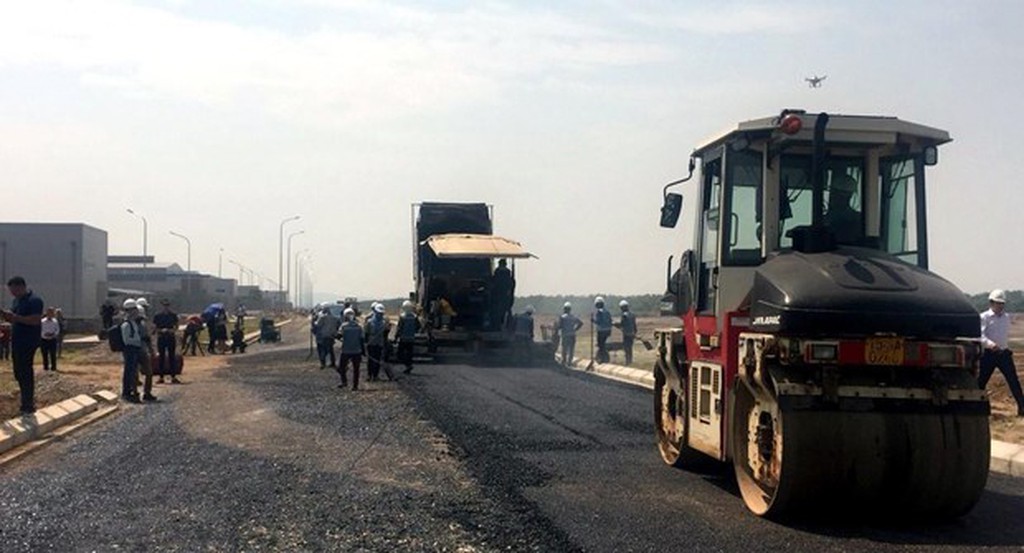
<point>884,351</point>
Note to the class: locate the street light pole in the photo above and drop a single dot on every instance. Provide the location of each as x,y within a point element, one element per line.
<point>241,270</point>
<point>220,263</point>
<point>189,249</point>
<point>280,254</point>
<point>145,238</point>
<point>288,263</point>
<point>299,258</point>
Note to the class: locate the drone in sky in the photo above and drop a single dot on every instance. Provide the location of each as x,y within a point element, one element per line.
<point>815,81</point>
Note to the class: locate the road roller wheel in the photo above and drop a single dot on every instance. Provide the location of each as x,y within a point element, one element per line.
<point>670,410</point>
<point>757,452</point>
<point>926,463</point>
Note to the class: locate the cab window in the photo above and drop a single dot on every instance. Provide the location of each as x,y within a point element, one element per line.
<point>743,226</point>
<point>843,198</point>
<point>899,209</point>
<point>710,214</point>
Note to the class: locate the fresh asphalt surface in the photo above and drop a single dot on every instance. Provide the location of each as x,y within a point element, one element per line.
<point>269,455</point>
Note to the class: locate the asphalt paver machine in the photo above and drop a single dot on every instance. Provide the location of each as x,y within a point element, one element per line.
<point>817,352</point>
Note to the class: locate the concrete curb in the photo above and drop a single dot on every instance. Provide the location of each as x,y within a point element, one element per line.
<point>1006,459</point>
<point>27,428</point>
<point>628,375</point>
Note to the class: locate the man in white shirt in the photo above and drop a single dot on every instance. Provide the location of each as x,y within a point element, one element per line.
<point>49,328</point>
<point>995,335</point>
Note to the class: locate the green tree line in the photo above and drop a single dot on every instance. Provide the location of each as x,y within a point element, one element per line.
<point>643,304</point>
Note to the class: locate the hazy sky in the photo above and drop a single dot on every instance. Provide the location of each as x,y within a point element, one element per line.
<point>219,119</point>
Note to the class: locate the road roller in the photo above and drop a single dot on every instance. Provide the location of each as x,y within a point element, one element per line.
<point>818,354</point>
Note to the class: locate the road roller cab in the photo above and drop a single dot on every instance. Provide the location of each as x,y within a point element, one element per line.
<point>817,352</point>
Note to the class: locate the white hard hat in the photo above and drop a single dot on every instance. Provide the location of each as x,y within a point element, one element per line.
<point>529,309</point>
<point>567,305</point>
<point>378,307</point>
<point>129,304</point>
<point>623,303</point>
<point>598,300</point>
<point>997,296</point>
<point>406,305</point>
<point>141,302</point>
<point>349,312</point>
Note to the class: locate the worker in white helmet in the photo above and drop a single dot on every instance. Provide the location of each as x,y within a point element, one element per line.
<point>627,324</point>
<point>405,334</point>
<point>568,325</point>
<point>601,321</point>
<point>376,330</point>
<point>131,340</point>
<point>353,343</point>
<point>148,352</point>
<point>995,336</point>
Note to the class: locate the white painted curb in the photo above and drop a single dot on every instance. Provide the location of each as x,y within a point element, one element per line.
<point>26,428</point>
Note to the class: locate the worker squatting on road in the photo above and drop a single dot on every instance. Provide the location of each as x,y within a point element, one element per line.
<point>568,325</point>
<point>601,319</point>
<point>995,335</point>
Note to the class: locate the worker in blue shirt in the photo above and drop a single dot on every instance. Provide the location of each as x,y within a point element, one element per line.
<point>602,321</point>
<point>627,324</point>
<point>25,317</point>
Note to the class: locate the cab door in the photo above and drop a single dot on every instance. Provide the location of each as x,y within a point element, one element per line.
<point>707,232</point>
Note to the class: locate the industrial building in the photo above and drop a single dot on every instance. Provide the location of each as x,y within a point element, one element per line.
<point>187,290</point>
<point>64,263</point>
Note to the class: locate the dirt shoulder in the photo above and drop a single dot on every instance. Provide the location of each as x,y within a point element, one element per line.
<point>85,369</point>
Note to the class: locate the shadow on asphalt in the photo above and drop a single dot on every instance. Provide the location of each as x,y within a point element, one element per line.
<point>986,525</point>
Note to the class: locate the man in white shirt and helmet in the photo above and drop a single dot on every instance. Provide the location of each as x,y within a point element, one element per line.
<point>995,335</point>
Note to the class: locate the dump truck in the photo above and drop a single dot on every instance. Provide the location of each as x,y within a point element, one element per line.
<point>455,254</point>
<point>817,352</point>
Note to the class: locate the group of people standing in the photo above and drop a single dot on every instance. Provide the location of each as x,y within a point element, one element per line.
<point>138,352</point>
<point>602,323</point>
<point>370,338</point>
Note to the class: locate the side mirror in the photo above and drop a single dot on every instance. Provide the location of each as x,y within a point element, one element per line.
<point>671,209</point>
